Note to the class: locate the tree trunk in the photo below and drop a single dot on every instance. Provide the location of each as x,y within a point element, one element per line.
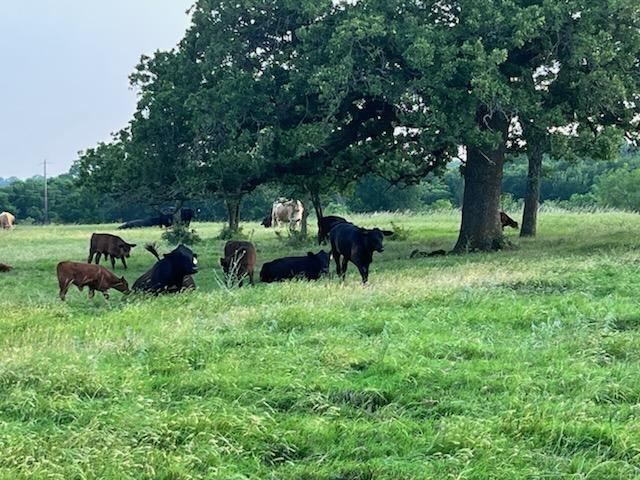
<point>317,205</point>
<point>177,214</point>
<point>532,197</point>
<point>304,228</point>
<point>481,228</point>
<point>233,213</point>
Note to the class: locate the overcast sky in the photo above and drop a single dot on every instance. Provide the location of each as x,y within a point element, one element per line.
<point>64,67</point>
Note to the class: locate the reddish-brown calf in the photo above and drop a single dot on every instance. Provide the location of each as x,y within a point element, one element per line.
<point>96,277</point>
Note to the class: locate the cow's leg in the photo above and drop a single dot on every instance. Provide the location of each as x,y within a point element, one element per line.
<point>92,292</point>
<point>124,263</point>
<point>364,273</point>
<point>113,262</point>
<point>336,257</point>
<point>98,256</point>
<point>90,259</point>
<point>64,288</point>
<point>251,277</point>
<point>106,294</point>
<point>343,270</point>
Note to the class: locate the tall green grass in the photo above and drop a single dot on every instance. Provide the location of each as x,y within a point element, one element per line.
<point>515,365</point>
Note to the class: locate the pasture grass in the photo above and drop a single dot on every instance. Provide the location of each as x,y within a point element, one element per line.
<point>521,364</point>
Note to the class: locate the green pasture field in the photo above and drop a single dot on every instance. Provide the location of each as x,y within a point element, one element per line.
<point>522,364</point>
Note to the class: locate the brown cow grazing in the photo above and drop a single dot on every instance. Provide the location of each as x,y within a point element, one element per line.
<point>507,221</point>
<point>5,268</point>
<point>109,246</point>
<point>239,260</point>
<point>96,277</point>
<point>6,221</point>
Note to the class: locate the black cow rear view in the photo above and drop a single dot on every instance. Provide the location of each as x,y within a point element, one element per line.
<point>169,274</point>
<point>355,245</point>
<point>325,224</point>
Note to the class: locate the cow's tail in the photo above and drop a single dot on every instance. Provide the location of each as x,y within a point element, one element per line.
<point>151,247</point>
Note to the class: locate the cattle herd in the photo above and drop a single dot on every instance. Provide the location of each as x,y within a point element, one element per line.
<point>173,271</point>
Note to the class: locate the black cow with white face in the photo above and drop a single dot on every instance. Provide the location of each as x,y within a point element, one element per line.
<point>310,267</point>
<point>169,272</point>
<point>354,244</point>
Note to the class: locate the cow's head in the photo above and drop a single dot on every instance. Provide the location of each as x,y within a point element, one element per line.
<point>184,260</point>
<point>122,285</point>
<point>323,259</point>
<point>375,237</point>
<point>125,249</point>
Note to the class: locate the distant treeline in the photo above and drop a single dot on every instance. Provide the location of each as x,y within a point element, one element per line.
<point>567,184</point>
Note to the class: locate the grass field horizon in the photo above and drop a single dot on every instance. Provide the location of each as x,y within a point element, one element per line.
<point>518,364</point>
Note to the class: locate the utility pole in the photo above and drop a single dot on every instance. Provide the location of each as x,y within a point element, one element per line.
<point>46,195</point>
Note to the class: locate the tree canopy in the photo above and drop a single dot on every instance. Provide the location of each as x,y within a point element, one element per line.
<point>319,94</point>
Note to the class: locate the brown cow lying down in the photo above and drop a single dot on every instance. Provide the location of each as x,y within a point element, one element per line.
<point>5,268</point>
<point>239,260</point>
<point>507,221</point>
<point>96,277</point>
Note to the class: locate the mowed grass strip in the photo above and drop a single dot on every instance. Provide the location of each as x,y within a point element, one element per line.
<point>519,364</point>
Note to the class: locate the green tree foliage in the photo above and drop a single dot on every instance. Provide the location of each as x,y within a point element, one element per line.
<point>68,203</point>
<point>319,94</point>
<point>619,189</point>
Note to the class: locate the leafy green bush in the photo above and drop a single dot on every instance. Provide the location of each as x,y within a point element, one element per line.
<point>440,205</point>
<point>180,234</point>
<point>400,233</point>
<point>294,238</point>
<point>227,234</point>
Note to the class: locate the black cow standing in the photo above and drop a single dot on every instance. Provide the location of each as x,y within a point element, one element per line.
<point>355,245</point>
<point>325,224</point>
<point>187,214</point>
<point>171,273</point>
<point>311,267</point>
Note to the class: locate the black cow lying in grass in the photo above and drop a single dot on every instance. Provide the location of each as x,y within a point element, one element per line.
<point>355,245</point>
<point>418,254</point>
<point>311,267</point>
<point>163,220</point>
<point>171,273</point>
<point>325,224</point>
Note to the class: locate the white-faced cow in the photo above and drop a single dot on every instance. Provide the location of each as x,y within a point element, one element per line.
<point>287,212</point>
